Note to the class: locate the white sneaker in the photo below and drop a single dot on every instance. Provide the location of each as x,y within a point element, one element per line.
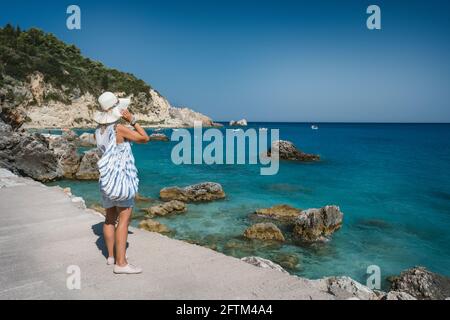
<point>127,269</point>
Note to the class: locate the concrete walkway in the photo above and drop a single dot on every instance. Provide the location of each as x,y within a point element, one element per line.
<point>43,232</point>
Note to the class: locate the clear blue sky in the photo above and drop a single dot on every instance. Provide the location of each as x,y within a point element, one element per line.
<point>269,60</point>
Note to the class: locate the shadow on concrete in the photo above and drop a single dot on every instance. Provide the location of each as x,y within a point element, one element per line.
<point>100,242</point>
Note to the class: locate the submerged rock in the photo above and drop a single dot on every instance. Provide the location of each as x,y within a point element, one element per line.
<point>422,284</point>
<point>283,213</point>
<point>318,224</point>
<point>264,231</point>
<point>205,191</point>
<point>286,260</point>
<point>171,207</point>
<point>139,197</point>
<point>263,263</point>
<point>88,169</point>
<point>288,151</point>
<point>153,226</point>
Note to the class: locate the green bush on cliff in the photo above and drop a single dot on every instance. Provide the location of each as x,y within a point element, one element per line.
<point>24,52</point>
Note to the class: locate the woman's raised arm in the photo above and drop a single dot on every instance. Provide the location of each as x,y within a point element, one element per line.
<point>138,135</point>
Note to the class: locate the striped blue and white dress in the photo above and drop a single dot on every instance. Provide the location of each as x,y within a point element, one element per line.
<point>106,141</point>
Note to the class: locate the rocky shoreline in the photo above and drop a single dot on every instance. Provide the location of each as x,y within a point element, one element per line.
<point>413,284</point>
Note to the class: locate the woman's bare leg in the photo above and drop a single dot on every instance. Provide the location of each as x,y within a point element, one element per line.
<point>122,235</point>
<point>109,229</point>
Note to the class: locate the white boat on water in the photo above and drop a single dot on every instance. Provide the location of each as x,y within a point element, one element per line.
<point>314,127</point>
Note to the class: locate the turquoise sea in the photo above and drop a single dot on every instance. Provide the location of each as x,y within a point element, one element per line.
<point>392,181</point>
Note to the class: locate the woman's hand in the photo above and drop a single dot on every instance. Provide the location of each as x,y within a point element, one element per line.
<point>126,115</point>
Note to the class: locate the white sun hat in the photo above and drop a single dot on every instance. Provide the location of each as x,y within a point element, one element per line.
<point>112,108</point>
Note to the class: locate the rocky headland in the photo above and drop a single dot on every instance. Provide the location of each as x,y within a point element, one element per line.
<point>46,83</point>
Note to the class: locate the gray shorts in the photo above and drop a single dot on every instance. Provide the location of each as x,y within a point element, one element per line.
<point>108,203</point>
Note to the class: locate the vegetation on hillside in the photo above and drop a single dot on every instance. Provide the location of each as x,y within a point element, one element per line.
<point>25,52</point>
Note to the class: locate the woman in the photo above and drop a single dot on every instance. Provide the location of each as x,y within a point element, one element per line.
<point>113,139</point>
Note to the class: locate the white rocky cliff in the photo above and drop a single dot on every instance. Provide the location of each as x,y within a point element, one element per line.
<point>43,106</point>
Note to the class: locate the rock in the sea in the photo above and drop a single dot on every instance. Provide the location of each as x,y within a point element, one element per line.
<point>422,284</point>
<point>27,154</point>
<point>318,224</point>
<point>171,207</point>
<point>87,140</point>
<point>139,197</point>
<point>264,231</point>
<point>241,123</point>
<point>286,260</point>
<point>65,149</point>
<point>205,191</point>
<point>158,137</point>
<point>288,151</point>
<point>263,263</point>
<point>88,169</point>
<point>283,213</point>
<point>153,226</point>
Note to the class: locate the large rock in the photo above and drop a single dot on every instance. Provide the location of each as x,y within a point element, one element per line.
<point>205,191</point>
<point>283,213</point>
<point>422,284</point>
<point>87,140</point>
<point>4,127</point>
<point>242,123</point>
<point>264,231</point>
<point>288,151</point>
<point>27,154</point>
<point>13,116</point>
<point>318,224</point>
<point>346,288</point>
<point>88,169</point>
<point>153,226</point>
<point>263,263</point>
<point>398,295</point>
<point>65,149</point>
<point>171,207</point>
